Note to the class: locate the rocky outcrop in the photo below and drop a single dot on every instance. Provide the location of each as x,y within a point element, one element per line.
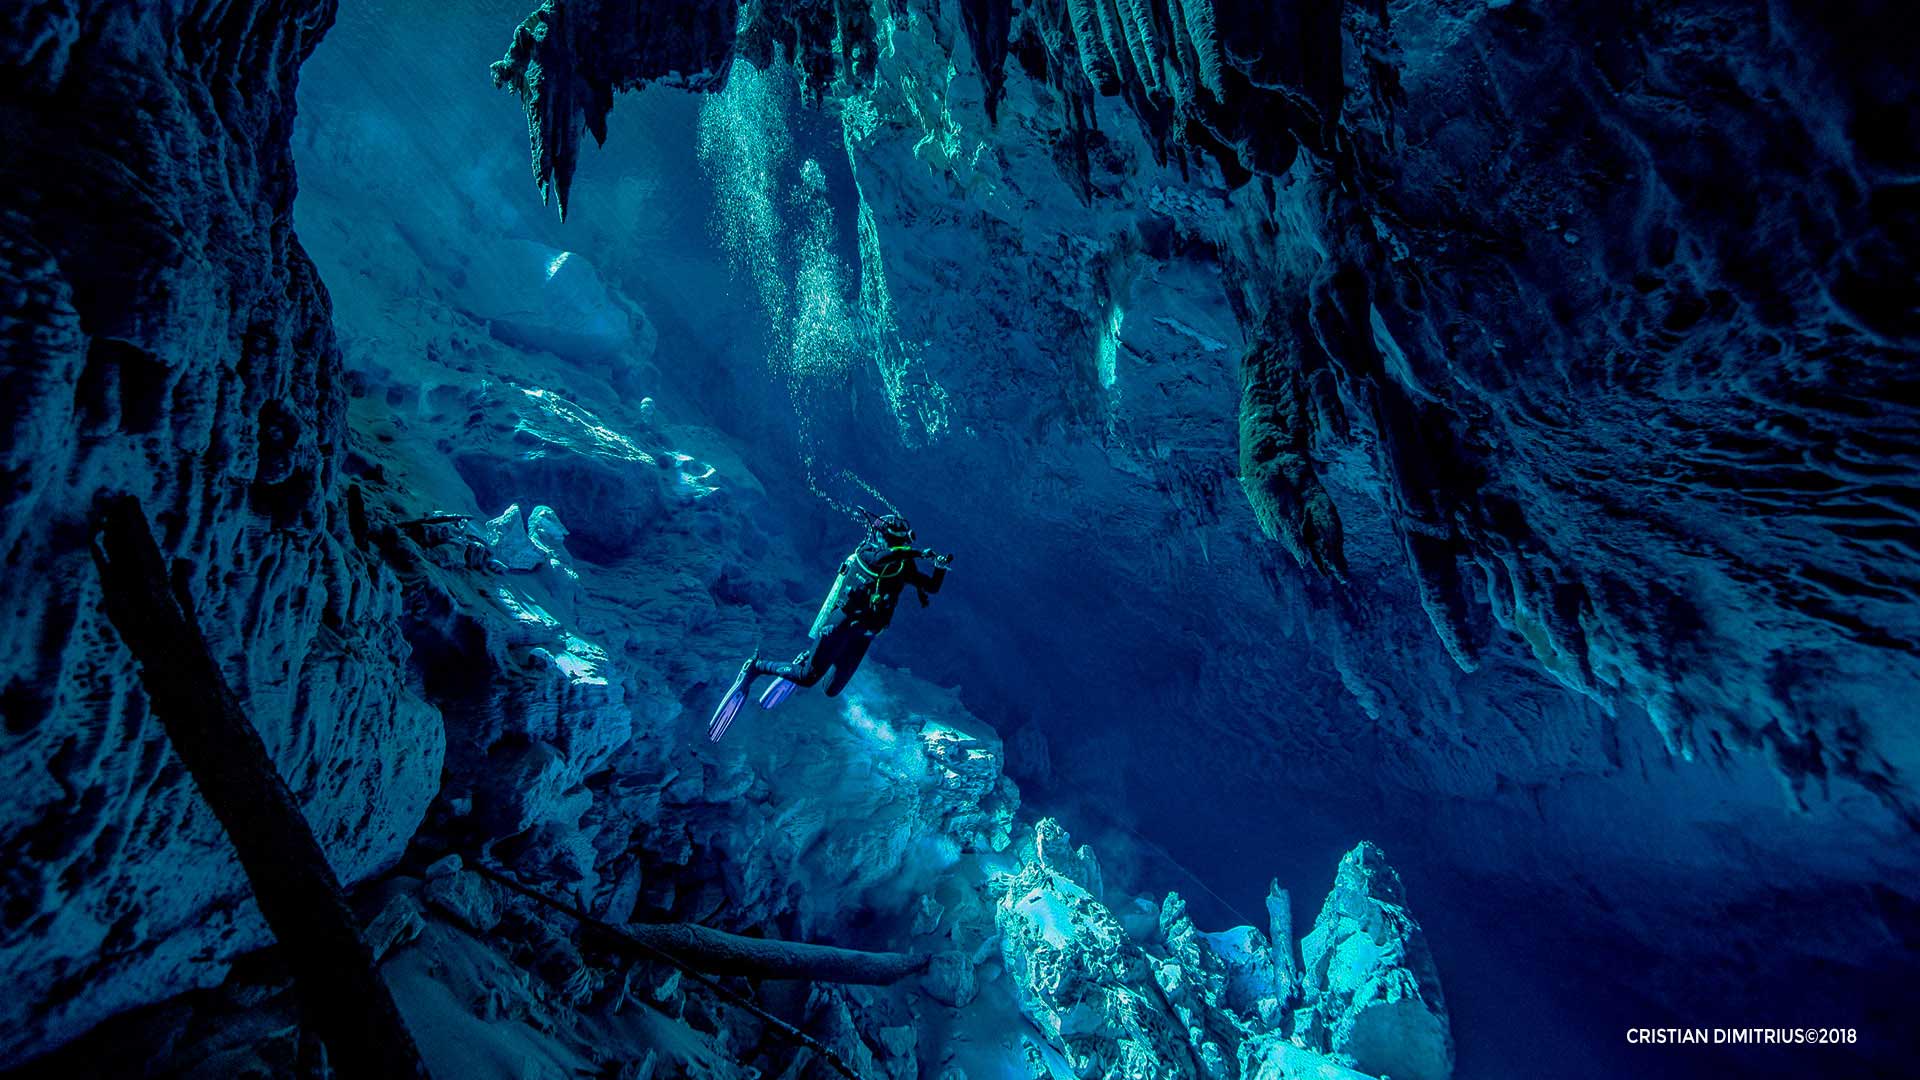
<point>1373,994</point>
<point>1079,980</point>
<point>165,336</point>
<point>526,542</point>
<point>1191,1004</point>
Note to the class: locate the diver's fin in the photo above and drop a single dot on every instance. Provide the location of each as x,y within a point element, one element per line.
<point>730,704</point>
<point>781,690</point>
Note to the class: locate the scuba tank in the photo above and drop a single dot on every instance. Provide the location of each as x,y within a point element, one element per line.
<point>858,585</point>
<point>844,584</point>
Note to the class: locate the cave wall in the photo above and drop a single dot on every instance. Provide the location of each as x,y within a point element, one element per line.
<point>166,336</point>
<point>1656,303</point>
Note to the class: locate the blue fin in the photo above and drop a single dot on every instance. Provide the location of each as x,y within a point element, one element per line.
<point>730,704</point>
<point>780,691</point>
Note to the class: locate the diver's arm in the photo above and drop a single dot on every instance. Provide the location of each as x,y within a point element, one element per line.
<point>907,555</point>
<point>925,582</point>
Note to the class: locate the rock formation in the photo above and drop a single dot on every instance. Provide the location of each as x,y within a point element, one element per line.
<point>1371,987</point>
<point>1187,1004</point>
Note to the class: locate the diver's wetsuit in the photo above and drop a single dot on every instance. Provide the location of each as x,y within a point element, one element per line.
<point>864,612</point>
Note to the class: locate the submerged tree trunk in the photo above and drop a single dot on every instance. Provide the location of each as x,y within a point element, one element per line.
<point>703,953</point>
<point>716,952</point>
<point>719,953</point>
<point>341,992</point>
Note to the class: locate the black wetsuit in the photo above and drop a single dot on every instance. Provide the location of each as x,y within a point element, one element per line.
<point>864,612</point>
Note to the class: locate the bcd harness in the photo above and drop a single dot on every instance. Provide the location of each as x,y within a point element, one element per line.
<point>856,577</point>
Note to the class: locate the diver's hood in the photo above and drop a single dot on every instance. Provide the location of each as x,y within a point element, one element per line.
<point>893,528</point>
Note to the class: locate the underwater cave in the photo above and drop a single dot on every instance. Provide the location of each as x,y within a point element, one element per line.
<point>1396,526</point>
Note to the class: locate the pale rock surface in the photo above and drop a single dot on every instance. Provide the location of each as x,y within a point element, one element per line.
<point>1271,1057</point>
<point>526,542</point>
<point>1194,977</point>
<point>1108,1006</point>
<point>1254,986</point>
<point>1370,978</point>
<point>950,979</point>
<point>1179,1002</point>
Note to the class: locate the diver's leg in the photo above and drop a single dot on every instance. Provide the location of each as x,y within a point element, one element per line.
<point>796,671</point>
<point>847,663</point>
<point>805,670</point>
<point>811,666</point>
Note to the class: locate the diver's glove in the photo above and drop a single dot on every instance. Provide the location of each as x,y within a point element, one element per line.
<point>939,560</point>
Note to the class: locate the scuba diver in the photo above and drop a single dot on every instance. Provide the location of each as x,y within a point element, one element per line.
<point>857,608</point>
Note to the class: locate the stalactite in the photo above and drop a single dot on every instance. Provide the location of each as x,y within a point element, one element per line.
<point>1135,21</point>
<point>1195,19</point>
<point>987,23</point>
<point>1276,467</point>
<point>1095,60</point>
<point>1112,40</point>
